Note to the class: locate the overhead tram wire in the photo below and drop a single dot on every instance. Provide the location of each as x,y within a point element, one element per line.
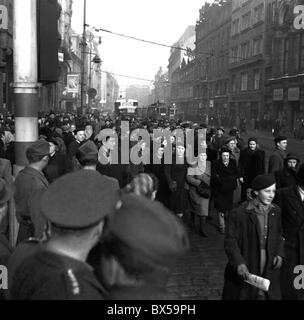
<point>195,52</point>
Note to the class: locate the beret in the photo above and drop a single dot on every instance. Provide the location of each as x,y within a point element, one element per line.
<point>300,176</point>
<point>39,148</point>
<point>149,229</point>
<point>263,181</point>
<point>221,128</point>
<point>279,139</point>
<point>79,128</point>
<point>79,200</point>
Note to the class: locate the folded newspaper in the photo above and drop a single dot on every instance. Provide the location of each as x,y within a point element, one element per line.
<point>259,282</point>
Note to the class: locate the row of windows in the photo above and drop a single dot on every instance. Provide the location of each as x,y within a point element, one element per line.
<point>246,81</point>
<point>246,50</point>
<point>248,19</point>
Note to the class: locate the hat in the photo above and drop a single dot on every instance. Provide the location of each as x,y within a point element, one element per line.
<point>39,148</point>
<point>88,148</point>
<point>150,230</point>
<point>230,139</point>
<point>300,176</point>
<point>293,156</point>
<point>79,128</point>
<point>224,149</point>
<point>79,200</point>
<point>253,139</point>
<point>5,191</point>
<point>233,132</point>
<point>263,181</point>
<point>221,128</point>
<point>279,139</point>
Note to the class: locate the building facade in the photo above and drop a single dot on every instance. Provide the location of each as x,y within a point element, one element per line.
<point>6,56</point>
<point>284,96</point>
<point>247,63</point>
<point>211,58</point>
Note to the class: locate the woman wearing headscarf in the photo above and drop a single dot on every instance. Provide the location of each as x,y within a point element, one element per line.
<point>252,164</point>
<point>254,244</point>
<point>199,173</point>
<point>224,175</point>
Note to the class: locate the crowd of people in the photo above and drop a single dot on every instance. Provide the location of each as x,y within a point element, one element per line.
<point>95,226</point>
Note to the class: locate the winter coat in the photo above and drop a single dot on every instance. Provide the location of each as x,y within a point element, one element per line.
<point>285,178</point>
<point>276,161</point>
<point>293,231</point>
<point>251,165</point>
<point>223,183</point>
<point>242,246</point>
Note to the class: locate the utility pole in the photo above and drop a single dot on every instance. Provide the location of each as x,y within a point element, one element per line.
<point>25,86</point>
<point>83,56</point>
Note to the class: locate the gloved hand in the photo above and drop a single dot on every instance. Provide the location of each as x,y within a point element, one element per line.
<point>242,271</point>
<point>277,262</point>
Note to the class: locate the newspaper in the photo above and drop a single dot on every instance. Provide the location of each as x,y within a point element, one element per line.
<point>259,282</point>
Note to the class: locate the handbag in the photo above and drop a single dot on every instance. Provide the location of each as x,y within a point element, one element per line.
<point>204,190</point>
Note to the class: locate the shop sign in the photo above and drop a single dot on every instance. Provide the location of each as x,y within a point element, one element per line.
<point>294,94</point>
<point>278,94</point>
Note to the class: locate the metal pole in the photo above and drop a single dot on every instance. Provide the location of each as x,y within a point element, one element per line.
<point>25,82</point>
<point>83,56</point>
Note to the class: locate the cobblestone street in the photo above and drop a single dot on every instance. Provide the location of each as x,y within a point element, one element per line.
<point>200,274</point>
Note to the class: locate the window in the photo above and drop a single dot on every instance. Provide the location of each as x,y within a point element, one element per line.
<point>257,46</point>
<point>258,13</point>
<point>245,50</point>
<point>244,81</point>
<point>234,83</point>
<point>235,27</point>
<point>256,79</point>
<point>245,21</point>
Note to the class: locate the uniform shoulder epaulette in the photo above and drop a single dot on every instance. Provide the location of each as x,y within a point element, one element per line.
<point>73,282</point>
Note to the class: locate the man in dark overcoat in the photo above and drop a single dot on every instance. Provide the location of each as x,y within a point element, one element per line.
<point>254,244</point>
<point>276,159</point>
<point>291,201</point>
<point>286,177</point>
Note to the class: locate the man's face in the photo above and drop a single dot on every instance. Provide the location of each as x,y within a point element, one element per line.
<point>88,132</point>
<point>160,152</point>
<point>220,132</point>
<point>52,148</point>
<point>111,143</point>
<point>231,144</point>
<point>282,145</point>
<point>80,136</point>
<point>292,163</point>
<point>225,156</point>
<point>266,195</point>
<point>180,150</point>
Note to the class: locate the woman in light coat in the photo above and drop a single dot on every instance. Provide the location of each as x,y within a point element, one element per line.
<point>199,206</point>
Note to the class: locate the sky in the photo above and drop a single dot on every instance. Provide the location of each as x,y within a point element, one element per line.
<point>162,21</point>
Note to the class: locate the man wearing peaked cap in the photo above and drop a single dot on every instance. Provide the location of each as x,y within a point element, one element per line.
<point>142,240</point>
<point>30,184</point>
<point>75,206</point>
